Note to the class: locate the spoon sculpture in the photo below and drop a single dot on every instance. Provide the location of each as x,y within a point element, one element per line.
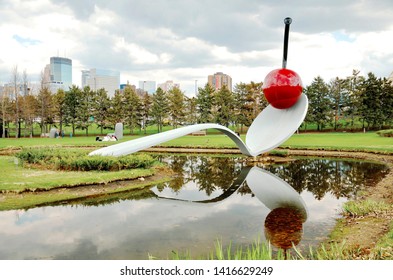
<point>273,126</point>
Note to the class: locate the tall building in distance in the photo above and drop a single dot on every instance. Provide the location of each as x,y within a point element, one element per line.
<point>168,85</point>
<point>58,73</point>
<point>218,80</point>
<point>147,86</point>
<point>100,78</point>
<point>61,72</point>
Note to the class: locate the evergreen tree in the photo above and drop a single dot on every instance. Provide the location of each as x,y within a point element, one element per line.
<point>101,107</point>
<point>146,108</point>
<point>224,106</point>
<point>387,101</point>
<point>133,107</point>
<point>117,109</point>
<point>371,109</point>
<point>71,106</point>
<point>159,109</point>
<point>205,103</point>
<point>84,110</point>
<point>176,106</point>
<point>191,113</point>
<point>354,93</point>
<point>320,105</point>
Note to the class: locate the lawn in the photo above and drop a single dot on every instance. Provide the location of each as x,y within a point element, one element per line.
<point>19,178</point>
<point>370,141</point>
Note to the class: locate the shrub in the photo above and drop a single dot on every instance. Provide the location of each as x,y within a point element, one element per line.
<point>77,160</point>
<point>385,133</point>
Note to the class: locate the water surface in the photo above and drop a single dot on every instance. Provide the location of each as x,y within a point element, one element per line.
<point>210,198</point>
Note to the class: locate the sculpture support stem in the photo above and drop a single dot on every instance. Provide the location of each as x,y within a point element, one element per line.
<point>287,22</point>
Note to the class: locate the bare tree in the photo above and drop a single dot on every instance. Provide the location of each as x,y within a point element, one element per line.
<point>15,84</point>
<point>4,108</point>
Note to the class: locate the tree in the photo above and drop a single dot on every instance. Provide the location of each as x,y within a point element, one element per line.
<point>101,107</point>
<point>205,103</point>
<point>133,107</point>
<point>176,106</point>
<point>15,84</point>
<point>372,101</point>
<point>5,109</point>
<point>387,101</point>
<point>191,113</point>
<point>354,93</point>
<point>340,98</point>
<point>29,111</point>
<point>84,109</point>
<point>223,106</point>
<point>320,106</point>
<point>71,106</point>
<point>146,108</point>
<point>59,107</point>
<point>248,103</point>
<point>159,109</point>
<point>117,110</point>
<point>45,106</point>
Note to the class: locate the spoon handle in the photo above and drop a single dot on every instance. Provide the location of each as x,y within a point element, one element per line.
<point>287,22</point>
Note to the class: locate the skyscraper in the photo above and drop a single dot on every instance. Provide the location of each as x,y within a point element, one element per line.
<point>60,72</point>
<point>100,78</point>
<point>218,80</point>
<point>168,85</point>
<point>148,86</point>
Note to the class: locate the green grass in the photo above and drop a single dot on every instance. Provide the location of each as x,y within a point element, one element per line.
<point>20,179</point>
<point>370,142</point>
<point>384,248</point>
<point>364,207</point>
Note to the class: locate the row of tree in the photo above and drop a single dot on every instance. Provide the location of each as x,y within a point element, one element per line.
<point>354,98</point>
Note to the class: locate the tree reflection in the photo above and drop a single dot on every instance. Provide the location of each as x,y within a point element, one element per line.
<point>340,178</point>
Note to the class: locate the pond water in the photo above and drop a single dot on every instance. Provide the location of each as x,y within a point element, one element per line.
<point>210,199</point>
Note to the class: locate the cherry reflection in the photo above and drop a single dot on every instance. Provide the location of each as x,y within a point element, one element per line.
<point>284,224</point>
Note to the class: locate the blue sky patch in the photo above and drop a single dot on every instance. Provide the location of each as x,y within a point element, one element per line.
<point>25,41</point>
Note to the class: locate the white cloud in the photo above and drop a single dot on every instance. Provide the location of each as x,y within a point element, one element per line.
<point>185,42</point>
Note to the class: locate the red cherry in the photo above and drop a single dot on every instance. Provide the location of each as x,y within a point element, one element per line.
<point>282,88</point>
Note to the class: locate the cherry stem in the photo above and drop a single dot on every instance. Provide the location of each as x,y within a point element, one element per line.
<point>287,22</point>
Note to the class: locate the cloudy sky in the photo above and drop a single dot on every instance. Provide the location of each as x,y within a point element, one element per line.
<point>186,40</point>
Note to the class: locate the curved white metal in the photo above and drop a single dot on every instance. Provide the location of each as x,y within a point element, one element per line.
<point>142,143</point>
<point>271,128</point>
<point>274,192</point>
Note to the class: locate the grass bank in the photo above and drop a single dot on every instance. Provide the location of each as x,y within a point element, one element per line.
<point>367,142</point>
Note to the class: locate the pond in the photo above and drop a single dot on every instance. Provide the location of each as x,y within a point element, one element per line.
<point>210,199</point>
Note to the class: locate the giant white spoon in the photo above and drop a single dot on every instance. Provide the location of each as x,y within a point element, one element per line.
<point>270,129</point>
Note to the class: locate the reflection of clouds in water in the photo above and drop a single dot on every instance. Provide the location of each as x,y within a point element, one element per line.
<point>128,223</point>
<point>325,209</point>
<point>134,228</point>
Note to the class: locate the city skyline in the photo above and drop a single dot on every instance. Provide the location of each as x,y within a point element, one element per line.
<point>185,41</point>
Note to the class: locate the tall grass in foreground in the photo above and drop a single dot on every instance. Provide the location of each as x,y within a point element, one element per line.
<point>264,251</point>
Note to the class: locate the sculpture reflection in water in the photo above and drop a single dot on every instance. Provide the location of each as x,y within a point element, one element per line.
<point>284,224</point>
